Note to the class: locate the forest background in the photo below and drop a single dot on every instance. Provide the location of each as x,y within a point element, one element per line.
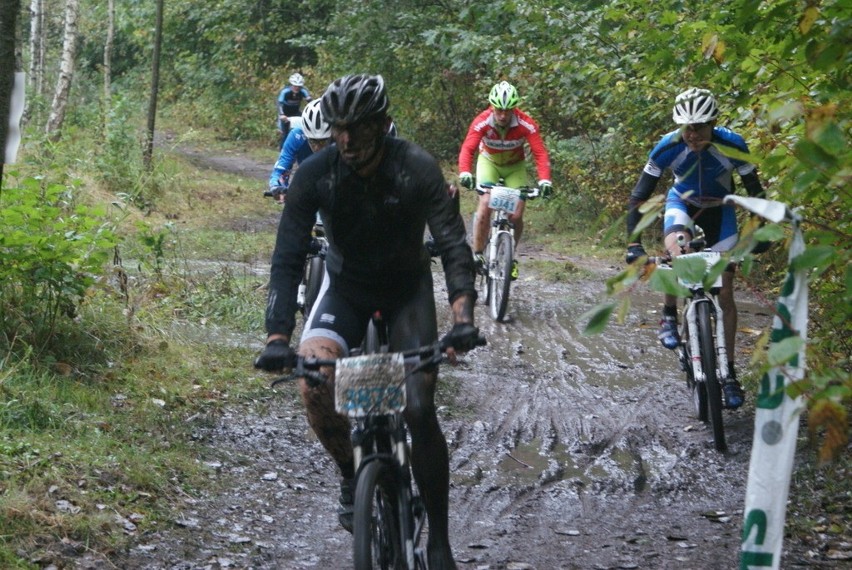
<point>598,76</point>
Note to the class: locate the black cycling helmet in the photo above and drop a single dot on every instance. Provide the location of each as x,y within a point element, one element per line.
<point>354,98</point>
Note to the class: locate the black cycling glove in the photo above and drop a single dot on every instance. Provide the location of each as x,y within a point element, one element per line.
<point>761,247</point>
<point>462,337</point>
<point>634,252</point>
<point>277,355</point>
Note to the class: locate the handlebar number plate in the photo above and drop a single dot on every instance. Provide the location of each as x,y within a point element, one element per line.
<point>370,384</point>
<point>504,198</point>
<point>710,258</point>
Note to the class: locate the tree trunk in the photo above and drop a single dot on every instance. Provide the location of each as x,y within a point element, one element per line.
<point>8,24</point>
<point>37,43</point>
<point>66,72</point>
<point>108,52</point>
<point>148,152</point>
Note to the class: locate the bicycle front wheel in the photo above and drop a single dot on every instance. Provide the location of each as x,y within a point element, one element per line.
<point>502,278</point>
<point>713,388</point>
<point>314,274</point>
<point>376,530</point>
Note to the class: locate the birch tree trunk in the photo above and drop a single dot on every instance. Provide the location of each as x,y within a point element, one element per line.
<point>37,46</point>
<point>66,72</point>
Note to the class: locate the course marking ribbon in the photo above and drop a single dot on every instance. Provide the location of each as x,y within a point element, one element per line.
<point>777,415</point>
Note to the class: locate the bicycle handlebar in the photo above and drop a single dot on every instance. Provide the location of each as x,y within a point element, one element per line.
<point>275,191</point>
<point>307,367</point>
<point>526,191</point>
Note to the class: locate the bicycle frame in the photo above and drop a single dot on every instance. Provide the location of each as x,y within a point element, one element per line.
<point>690,326</point>
<point>703,352</point>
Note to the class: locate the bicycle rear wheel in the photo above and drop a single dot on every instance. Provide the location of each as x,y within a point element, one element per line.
<point>376,527</point>
<point>706,341</point>
<point>314,274</point>
<point>502,279</point>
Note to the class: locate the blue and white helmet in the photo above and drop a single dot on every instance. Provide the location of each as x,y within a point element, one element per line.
<point>297,80</point>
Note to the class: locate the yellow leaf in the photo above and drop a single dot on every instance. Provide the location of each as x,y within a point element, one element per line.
<point>831,417</point>
<point>719,51</point>
<point>808,18</point>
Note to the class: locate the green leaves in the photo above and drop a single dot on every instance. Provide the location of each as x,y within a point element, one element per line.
<point>52,251</point>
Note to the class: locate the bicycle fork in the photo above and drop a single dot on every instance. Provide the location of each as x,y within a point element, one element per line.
<point>499,227</point>
<point>695,347</point>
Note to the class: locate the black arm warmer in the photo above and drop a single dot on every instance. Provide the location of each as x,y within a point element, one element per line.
<point>641,192</point>
<point>751,182</point>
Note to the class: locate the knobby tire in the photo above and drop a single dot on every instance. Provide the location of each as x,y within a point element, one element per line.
<point>502,279</point>
<point>707,343</point>
<point>314,274</point>
<point>697,391</point>
<point>376,529</point>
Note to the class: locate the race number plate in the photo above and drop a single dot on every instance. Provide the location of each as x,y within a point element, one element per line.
<point>504,198</point>
<point>710,258</point>
<point>370,384</point>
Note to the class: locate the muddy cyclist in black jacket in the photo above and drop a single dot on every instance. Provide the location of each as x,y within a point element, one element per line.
<point>376,195</point>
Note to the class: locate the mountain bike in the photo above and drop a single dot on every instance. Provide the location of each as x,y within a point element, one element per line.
<point>314,271</point>
<point>495,277</point>
<point>389,514</point>
<point>702,352</point>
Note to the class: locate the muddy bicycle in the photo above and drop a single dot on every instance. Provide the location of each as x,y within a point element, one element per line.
<point>495,277</point>
<point>370,387</point>
<point>702,352</point>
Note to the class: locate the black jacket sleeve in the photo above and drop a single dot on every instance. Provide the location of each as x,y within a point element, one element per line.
<point>641,192</point>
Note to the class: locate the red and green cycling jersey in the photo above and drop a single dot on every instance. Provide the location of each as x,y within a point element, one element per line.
<point>504,146</point>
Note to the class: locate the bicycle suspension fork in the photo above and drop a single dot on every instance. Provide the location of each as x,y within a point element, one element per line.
<point>694,342</point>
<point>500,224</point>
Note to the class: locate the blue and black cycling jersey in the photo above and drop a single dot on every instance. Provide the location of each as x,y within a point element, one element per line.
<point>701,179</point>
<point>290,102</point>
<point>294,151</point>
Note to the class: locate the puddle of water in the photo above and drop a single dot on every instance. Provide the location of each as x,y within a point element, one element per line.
<point>527,465</point>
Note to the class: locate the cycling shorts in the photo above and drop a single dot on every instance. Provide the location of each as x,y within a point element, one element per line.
<point>719,222</point>
<point>513,175</point>
<point>342,313</point>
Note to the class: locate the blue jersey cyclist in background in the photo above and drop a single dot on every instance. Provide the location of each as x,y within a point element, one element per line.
<point>312,134</point>
<point>698,155</point>
<point>290,103</point>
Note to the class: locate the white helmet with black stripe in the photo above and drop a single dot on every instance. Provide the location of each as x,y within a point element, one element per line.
<point>313,123</point>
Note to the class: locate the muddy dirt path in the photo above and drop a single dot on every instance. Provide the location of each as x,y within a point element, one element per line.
<point>567,452</point>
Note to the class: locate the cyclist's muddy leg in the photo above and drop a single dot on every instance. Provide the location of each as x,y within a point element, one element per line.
<point>729,314</point>
<point>331,428</point>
